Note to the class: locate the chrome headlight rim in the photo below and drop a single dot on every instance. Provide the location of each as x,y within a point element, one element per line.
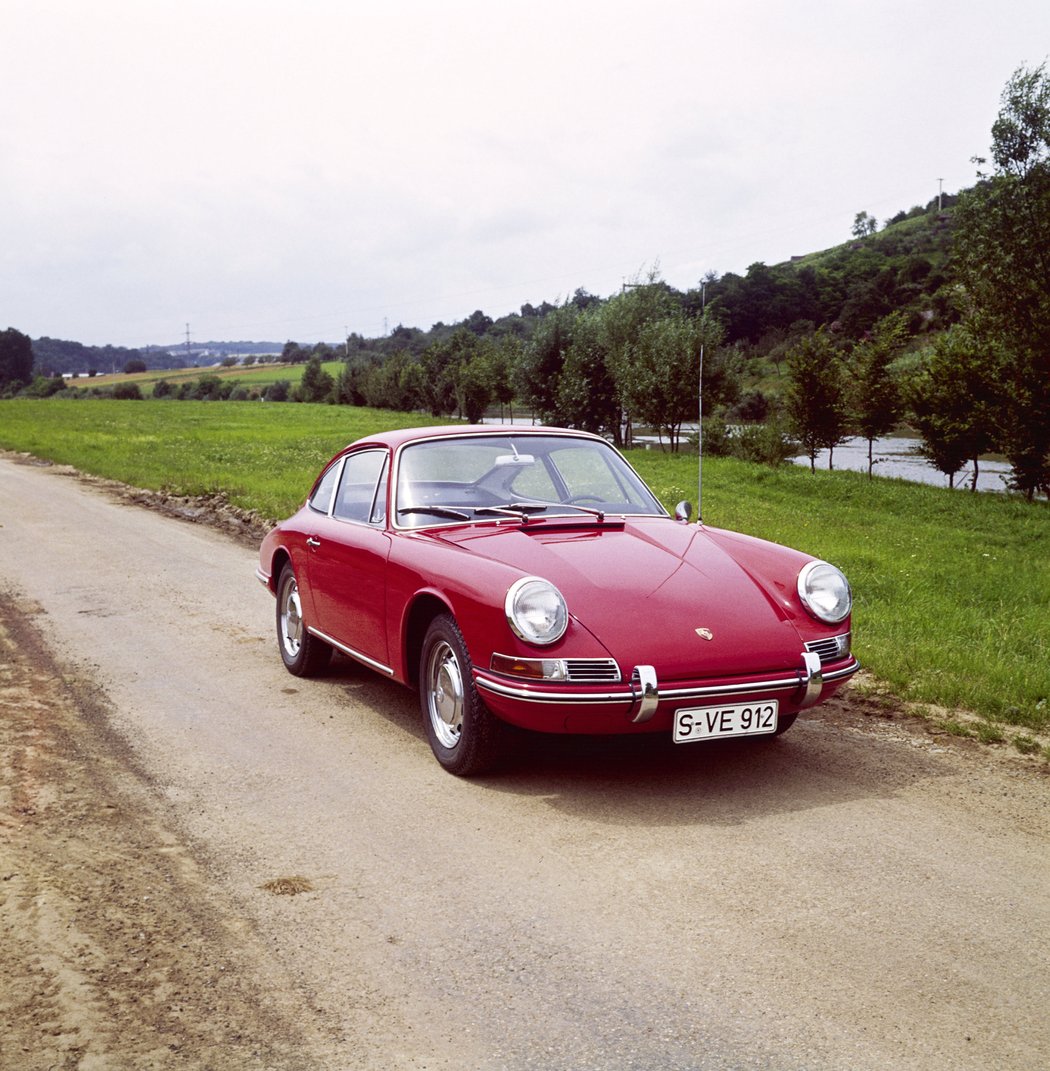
<point>544,625</point>
<point>813,591</point>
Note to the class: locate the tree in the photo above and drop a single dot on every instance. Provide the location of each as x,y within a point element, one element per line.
<point>864,225</point>
<point>504,360</point>
<point>540,369</point>
<point>661,384</point>
<point>293,353</point>
<point>874,398</point>
<point>473,381</point>
<point>16,359</point>
<point>477,322</point>
<point>316,385</point>
<point>954,398</point>
<point>1002,251</point>
<point>393,383</point>
<point>136,364</point>
<point>349,388</point>
<point>440,362</point>
<point>643,300</point>
<point>587,395</point>
<point>815,403</point>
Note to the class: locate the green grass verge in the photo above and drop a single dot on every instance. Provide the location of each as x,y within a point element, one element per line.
<point>262,456</point>
<point>952,590</point>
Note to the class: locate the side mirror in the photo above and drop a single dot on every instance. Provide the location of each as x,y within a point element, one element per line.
<point>683,511</point>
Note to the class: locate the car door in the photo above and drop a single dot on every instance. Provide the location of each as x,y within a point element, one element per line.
<point>348,554</point>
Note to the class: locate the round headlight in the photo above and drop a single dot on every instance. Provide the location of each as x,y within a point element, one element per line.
<point>536,611</point>
<point>825,592</point>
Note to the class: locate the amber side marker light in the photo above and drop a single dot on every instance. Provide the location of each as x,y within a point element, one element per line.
<point>540,669</point>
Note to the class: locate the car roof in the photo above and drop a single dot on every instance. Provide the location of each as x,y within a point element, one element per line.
<point>398,437</point>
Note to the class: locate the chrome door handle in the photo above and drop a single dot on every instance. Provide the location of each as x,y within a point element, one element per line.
<point>311,542</point>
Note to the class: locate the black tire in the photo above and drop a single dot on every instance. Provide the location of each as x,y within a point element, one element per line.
<point>784,722</point>
<point>464,735</point>
<point>303,654</point>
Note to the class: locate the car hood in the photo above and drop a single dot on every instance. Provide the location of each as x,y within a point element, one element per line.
<point>652,590</point>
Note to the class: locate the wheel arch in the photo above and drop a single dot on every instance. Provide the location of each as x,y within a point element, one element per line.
<point>281,558</point>
<point>424,608</point>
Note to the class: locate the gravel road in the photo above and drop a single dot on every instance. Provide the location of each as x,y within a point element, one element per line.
<point>207,863</point>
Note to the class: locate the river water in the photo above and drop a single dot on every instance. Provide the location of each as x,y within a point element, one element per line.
<point>896,457</point>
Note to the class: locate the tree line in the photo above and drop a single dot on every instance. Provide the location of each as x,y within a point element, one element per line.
<point>941,319</point>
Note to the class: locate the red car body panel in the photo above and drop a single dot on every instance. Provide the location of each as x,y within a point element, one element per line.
<point>716,614</point>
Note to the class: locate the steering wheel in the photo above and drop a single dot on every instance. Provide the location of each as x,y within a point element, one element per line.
<point>576,499</point>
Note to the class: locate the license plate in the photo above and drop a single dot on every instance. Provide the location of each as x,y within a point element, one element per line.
<point>732,719</point>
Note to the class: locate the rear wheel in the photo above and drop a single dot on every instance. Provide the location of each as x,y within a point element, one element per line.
<point>302,653</point>
<point>464,735</point>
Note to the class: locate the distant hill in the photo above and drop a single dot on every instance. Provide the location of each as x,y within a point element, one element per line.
<point>905,266</point>
<point>54,356</point>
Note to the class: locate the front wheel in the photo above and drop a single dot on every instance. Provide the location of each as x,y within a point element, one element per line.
<point>464,735</point>
<point>303,653</point>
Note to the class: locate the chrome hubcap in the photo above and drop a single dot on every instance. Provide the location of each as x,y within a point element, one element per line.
<point>291,619</point>
<point>445,695</point>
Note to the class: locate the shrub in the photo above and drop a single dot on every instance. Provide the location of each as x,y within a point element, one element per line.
<point>766,444</point>
<point>127,392</point>
<point>44,387</point>
<point>718,439</point>
<point>752,407</point>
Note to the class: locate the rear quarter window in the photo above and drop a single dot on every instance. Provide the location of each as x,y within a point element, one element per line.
<point>321,499</point>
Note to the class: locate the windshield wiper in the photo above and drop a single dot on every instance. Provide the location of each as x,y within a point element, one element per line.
<point>437,511</point>
<point>599,513</point>
<point>513,509</point>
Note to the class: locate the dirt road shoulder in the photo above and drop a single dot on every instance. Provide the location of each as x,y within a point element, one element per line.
<point>116,950</point>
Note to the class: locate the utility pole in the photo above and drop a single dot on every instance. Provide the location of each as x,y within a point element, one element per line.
<point>188,356</point>
<point>940,193</point>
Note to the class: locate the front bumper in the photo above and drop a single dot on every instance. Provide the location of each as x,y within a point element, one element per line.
<point>645,703</point>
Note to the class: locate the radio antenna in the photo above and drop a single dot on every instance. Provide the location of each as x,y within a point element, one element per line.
<point>700,410</point>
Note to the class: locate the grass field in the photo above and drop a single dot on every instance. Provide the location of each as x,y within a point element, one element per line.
<point>255,375</point>
<point>952,589</point>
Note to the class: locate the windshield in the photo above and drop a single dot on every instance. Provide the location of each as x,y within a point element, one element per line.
<point>454,480</point>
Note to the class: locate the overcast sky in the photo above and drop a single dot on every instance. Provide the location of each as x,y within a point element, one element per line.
<point>279,170</point>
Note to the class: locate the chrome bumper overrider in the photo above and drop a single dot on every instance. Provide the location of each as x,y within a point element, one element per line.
<point>644,693</point>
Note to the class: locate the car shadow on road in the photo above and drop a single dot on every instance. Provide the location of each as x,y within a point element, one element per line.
<point>647,780</point>
<point>652,782</point>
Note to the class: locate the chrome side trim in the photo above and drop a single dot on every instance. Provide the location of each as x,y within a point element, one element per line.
<point>356,655</point>
<point>646,691</point>
<point>566,695</point>
<point>262,577</point>
<point>846,671</point>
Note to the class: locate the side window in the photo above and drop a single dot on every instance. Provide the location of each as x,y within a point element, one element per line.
<point>379,505</point>
<point>357,488</point>
<point>321,499</point>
